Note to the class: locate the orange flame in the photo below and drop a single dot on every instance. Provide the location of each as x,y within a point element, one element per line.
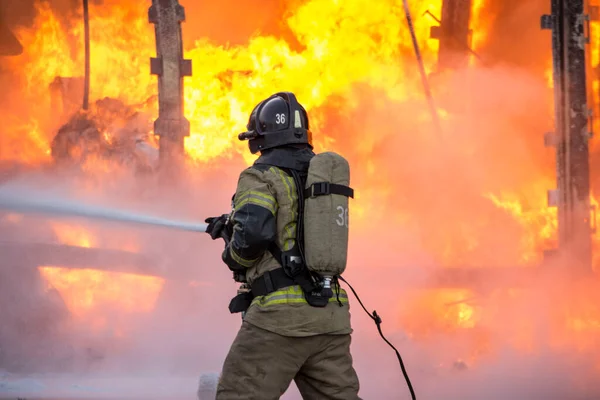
<point>98,296</point>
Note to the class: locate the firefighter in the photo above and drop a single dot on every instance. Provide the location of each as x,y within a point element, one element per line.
<point>282,337</point>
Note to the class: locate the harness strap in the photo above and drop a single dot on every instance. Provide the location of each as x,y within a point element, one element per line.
<point>270,282</point>
<point>326,188</point>
<point>293,267</point>
<point>276,252</point>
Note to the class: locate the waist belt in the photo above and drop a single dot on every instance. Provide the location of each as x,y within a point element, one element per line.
<point>267,283</point>
<point>271,281</point>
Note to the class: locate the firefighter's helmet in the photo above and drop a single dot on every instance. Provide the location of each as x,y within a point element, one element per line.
<point>277,121</point>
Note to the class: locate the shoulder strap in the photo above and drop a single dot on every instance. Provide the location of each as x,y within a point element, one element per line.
<point>299,183</point>
<point>293,261</point>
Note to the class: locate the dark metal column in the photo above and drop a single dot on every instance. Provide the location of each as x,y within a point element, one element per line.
<point>171,126</point>
<point>86,41</point>
<point>572,134</point>
<point>453,34</point>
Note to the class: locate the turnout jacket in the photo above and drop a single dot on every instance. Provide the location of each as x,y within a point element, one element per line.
<point>265,211</point>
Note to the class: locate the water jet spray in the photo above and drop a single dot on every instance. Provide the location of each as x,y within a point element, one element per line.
<point>35,202</point>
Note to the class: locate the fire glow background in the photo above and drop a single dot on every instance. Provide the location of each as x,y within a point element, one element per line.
<point>474,197</point>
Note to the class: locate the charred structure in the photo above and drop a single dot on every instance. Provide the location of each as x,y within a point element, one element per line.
<point>453,34</point>
<point>170,67</point>
<point>572,131</point>
<point>110,130</point>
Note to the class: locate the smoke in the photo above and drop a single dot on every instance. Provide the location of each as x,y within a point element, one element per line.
<point>190,313</point>
<point>431,208</point>
<point>439,191</point>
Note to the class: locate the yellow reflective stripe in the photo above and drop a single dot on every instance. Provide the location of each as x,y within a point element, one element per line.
<point>288,242</point>
<point>256,198</point>
<point>290,229</point>
<point>240,260</point>
<point>259,195</point>
<point>293,295</point>
<point>287,185</point>
<point>256,202</point>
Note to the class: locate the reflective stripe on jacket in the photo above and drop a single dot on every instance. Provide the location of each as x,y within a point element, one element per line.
<point>293,295</point>
<point>265,210</point>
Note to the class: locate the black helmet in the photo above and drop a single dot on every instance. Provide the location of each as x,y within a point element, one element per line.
<point>277,121</point>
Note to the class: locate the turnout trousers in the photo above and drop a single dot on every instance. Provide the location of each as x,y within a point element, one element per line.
<point>262,364</point>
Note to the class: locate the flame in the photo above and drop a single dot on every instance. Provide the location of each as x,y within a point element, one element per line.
<point>74,235</point>
<point>78,235</point>
<point>479,23</point>
<point>539,225</point>
<point>451,306</point>
<point>98,297</point>
<point>224,94</point>
<point>218,97</point>
<point>93,296</point>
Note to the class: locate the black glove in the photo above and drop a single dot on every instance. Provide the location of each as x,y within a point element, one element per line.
<point>218,227</point>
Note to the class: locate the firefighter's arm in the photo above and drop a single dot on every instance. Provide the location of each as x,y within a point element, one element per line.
<point>254,222</point>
